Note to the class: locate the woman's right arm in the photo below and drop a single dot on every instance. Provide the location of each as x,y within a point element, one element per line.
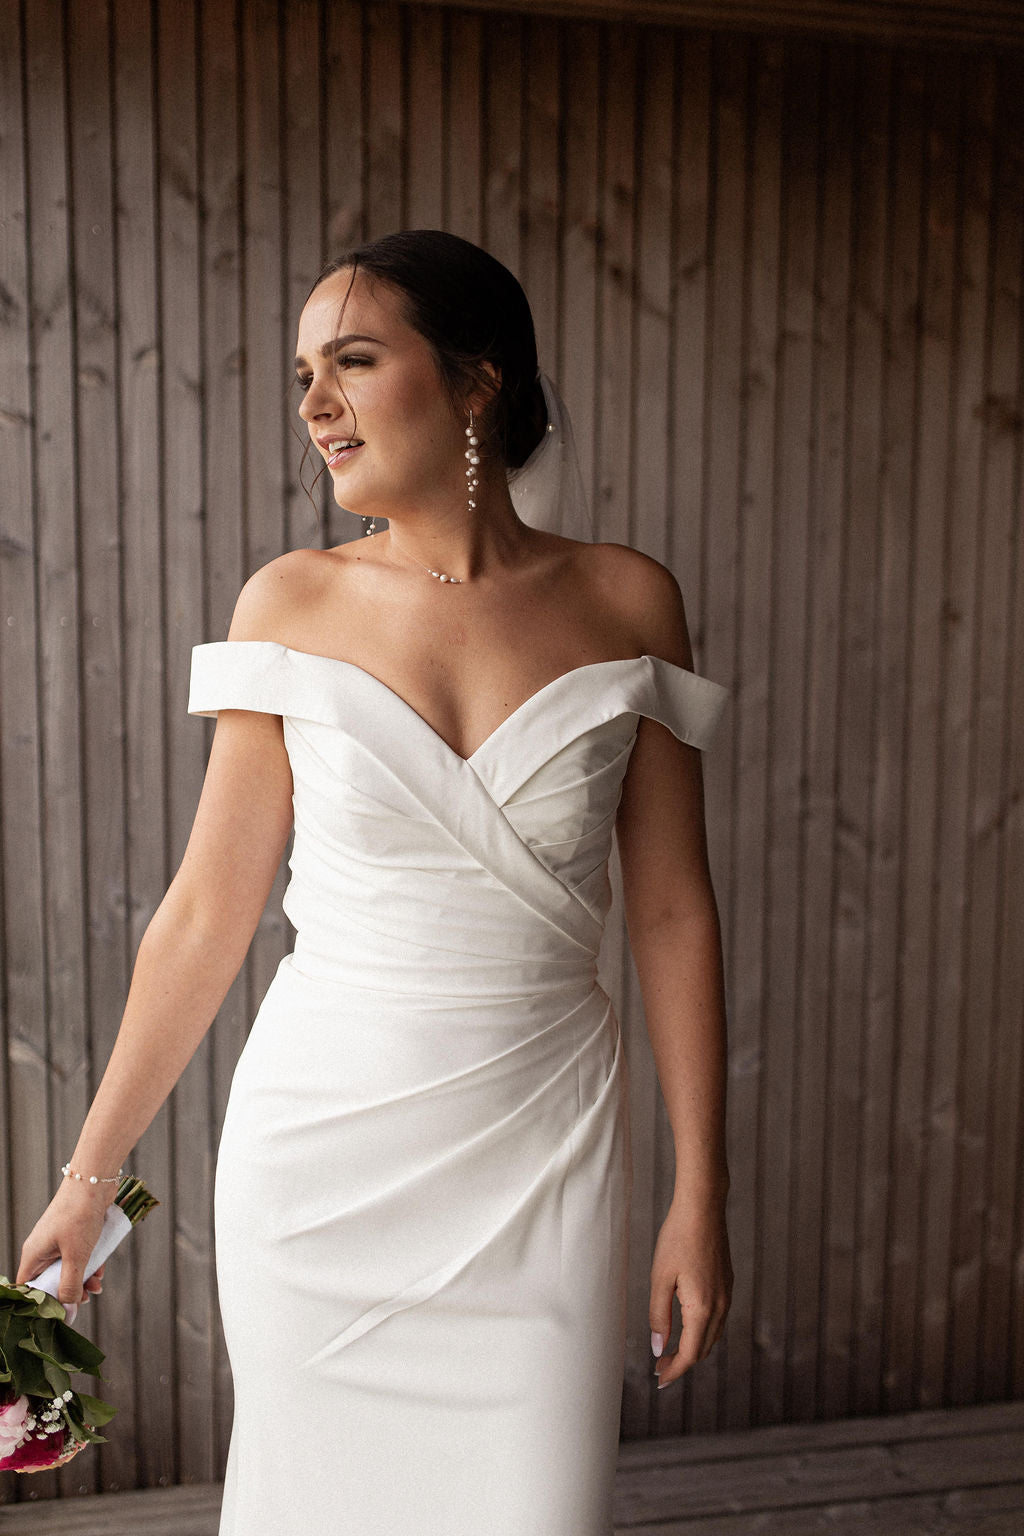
<point>189,955</point>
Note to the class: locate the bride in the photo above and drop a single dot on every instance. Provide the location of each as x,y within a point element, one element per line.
<point>423,1176</point>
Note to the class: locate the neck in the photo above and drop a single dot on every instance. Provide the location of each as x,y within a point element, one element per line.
<point>464,543</point>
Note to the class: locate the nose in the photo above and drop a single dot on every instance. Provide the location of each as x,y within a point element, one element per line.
<point>312,405</point>
<point>317,404</point>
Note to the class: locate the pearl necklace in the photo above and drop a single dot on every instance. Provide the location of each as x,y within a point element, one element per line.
<point>472,483</point>
<point>441,575</point>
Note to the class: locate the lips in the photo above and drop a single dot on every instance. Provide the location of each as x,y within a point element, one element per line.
<point>326,443</point>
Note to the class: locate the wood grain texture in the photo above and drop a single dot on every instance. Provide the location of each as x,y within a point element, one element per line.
<point>779,282</point>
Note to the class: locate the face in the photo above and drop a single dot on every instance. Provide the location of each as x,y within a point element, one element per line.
<point>412,443</point>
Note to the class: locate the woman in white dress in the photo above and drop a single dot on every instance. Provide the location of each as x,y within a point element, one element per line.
<point>423,1175</point>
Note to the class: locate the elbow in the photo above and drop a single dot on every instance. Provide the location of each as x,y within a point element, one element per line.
<point>677,919</point>
<point>182,924</point>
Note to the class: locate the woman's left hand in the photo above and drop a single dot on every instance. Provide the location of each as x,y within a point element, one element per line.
<point>691,1261</point>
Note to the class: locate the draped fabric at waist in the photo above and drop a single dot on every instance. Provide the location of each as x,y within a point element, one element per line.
<point>444,934</point>
<point>456,1129</point>
<point>355,958</point>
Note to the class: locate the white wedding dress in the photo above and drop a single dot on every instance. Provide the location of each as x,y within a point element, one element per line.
<point>423,1176</point>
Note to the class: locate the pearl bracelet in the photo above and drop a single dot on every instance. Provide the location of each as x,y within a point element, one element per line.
<point>69,1174</point>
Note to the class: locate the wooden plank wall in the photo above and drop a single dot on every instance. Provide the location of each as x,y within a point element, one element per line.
<point>780,284</point>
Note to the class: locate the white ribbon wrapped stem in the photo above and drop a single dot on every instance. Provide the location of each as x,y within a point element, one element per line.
<point>116,1227</point>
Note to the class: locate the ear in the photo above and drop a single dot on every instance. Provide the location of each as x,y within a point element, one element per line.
<point>480,401</point>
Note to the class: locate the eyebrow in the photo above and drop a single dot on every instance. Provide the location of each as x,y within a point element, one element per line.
<point>338,342</point>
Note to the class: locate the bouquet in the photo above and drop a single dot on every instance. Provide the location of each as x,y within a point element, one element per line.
<point>44,1422</point>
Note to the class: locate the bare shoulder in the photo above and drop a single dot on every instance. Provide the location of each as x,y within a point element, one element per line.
<point>647,599</point>
<point>273,595</point>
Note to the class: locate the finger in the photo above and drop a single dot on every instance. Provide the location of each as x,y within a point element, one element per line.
<point>72,1283</point>
<point>715,1328</point>
<point>33,1263</point>
<point>696,1318</point>
<point>662,1291</point>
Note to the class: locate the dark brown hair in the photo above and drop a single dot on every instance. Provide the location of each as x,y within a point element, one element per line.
<point>470,309</point>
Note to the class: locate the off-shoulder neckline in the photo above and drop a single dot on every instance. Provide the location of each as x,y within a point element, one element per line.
<point>500,729</point>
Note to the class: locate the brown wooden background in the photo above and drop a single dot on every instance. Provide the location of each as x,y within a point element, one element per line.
<point>779,282</point>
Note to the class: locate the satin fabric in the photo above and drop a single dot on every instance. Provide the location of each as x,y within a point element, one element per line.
<point>423,1177</point>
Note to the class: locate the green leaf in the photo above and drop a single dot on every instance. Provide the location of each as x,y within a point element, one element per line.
<point>82,1432</point>
<point>58,1378</point>
<point>95,1409</point>
<point>47,1305</point>
<point>80,1353</point>
<point>78,1432</point>
<point>29,1375</point>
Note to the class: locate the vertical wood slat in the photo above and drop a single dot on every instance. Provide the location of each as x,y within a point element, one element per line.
<point>304,150</point>
<point>269,352</point>
<point>24,1103</point>
<point>746,926</point>
<point>59,1031</point>
<point>779,284</point>
<point>903,762</point>
<point>223,365</point>
<point>959,621</point>
<point>464,122</point>
<point>793,1039</point>
<point>844,1047</point>
<point>143,720</point>
<point>936,684</point>
<point>425,164</point>
<point>994,796</point>
<point>505,196</point>
<point>182,233</point>
<point>541,269</point>
<point>383,123</point>
<point>866,851</point>
<point>828,1174</point>
<point>345,159</point>
<point>90,110</point>
<point>709,578</point>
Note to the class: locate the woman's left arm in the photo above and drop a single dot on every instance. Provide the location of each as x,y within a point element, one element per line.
<point>675,938</point>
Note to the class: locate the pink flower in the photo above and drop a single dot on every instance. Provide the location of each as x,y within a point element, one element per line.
<point>36,1455</point>
<point>13,1420</point>
<point>38,1448</point>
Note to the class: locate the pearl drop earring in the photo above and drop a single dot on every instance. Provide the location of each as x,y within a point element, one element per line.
<point>471,484</point>
<point>474,459</point>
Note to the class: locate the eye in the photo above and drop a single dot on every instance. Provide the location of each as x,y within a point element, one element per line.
<point>304,380</point>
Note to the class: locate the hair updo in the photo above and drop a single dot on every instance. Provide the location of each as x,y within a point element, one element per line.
<point>470,309</point>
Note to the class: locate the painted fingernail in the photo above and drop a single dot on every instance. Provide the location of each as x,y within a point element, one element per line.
<point>657,1344</point>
